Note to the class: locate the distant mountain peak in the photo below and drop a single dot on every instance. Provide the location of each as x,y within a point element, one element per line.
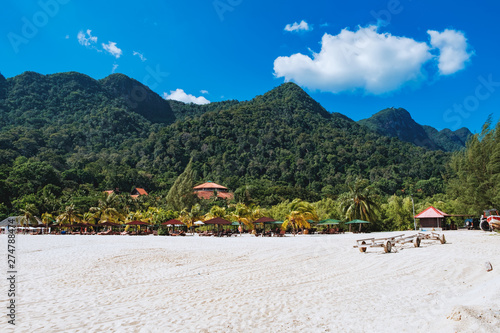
<point>291,93</point>
<point>397,122</point>
<point>139,98</point>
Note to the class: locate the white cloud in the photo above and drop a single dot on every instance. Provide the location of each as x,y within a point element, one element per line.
<point>86,39</point>
<point>364,59</point>
<point>302,26</point>
<point>452,46</point>
<point>181,96</point>
<point>115,66</point>
<point>140,55</point>
<point>112,49</point>
<point>67,37</point>
<point>204,92</point>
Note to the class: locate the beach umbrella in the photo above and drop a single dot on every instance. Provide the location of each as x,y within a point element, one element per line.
<point>328,222</point>
<point>110,224</point>
<point>264,220</point>
<point>137,223</point>
<point>172,222</point>
<point>360,222</point>
<point>218,220</point>
<point>198,223</point>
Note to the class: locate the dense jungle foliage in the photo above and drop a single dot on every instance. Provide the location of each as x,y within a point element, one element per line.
<point>65,138</point>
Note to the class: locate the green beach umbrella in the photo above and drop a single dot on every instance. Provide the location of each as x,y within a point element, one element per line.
<point>360,222</point>
<point>356,221</point>
<point>328,222</point>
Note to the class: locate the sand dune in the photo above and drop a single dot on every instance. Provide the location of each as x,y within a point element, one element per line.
<point>316,283</point>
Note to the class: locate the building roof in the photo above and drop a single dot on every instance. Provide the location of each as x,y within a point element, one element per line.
<point>431,212</point>
<point>208,194</point>
<point>210,185</point>
<point>13,221</point>
<point>140,191</point>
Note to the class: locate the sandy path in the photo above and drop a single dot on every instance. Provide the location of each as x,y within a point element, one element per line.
<point>248,284</point>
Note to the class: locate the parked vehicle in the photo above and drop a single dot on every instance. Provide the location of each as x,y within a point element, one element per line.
<point>472,224</point>
<point>490,220</point>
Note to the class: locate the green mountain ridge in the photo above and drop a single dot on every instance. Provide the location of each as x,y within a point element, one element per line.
<point>85,134</point>
<point>397,122</point>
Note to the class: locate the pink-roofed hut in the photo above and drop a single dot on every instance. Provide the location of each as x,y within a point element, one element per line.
<point>432,218</point>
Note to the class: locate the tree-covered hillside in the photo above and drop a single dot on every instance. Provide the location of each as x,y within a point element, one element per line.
<point>69,135</point>
<point>398,123</point>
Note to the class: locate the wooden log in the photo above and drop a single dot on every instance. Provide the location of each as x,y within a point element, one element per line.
<point>442,239</point>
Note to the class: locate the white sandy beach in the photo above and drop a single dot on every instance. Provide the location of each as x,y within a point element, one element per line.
<point>310,283</point>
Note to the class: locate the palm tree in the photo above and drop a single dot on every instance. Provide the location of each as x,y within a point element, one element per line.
<point>188,217</point>
<point>216,211</point>
<point>298,213</point>
<point>242,214</point>
<point>29,213</point>
<point>47,218</point>
<point>107,209</point>
<point>68,216</point>
<point>360,202</point>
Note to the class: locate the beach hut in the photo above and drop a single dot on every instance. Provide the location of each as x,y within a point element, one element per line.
<point>431,218</point>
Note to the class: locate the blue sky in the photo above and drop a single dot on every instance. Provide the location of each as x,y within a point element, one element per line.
<point>437,59</point>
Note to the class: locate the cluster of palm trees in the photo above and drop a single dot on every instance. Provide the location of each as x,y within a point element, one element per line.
<point>358,203</point>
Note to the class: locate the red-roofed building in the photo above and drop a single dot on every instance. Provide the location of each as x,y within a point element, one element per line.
<point>209,189</point>
<point>432,218</point>
<point>138,192</point>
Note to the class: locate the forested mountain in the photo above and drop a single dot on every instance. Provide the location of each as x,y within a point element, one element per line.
<point>68,133</point>
<point>397,122</point>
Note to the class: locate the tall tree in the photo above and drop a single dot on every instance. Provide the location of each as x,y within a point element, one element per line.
<point>360,202</point>
<point>181,194</point>
<point>188,217</point>
<point>399,211</point>
<point>68,216</point>
<point>29,213</point>
<point>299,212</point>
<point>476,171</point>
<point>108,208</point>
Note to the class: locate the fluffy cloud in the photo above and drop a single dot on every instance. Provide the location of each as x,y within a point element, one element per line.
<point>112,49</point>
<point>181,96</point>
<point>204,92</point>
<point>366,60</point>
<point>140,55</point>
<point>302,26</point>
<point>452,46</point>
<point>86,39</point>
